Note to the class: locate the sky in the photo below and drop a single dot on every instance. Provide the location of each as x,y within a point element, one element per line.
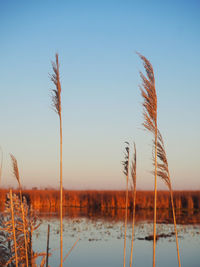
<point>101,101</point>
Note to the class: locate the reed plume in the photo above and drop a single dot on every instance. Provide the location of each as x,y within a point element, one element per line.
<point>56,99</point>
<point>125,164</point>
<point>133,187</point>
<point>148,92</point>
<point>56,93</point>
<point>16,174</point>
<point>164,174</point>
<point>15,169</point>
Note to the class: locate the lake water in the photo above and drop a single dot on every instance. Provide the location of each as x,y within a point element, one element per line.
<point>101,242</point>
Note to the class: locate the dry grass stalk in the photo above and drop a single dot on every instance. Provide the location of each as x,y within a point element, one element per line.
<point>148,92</point>
<point>16,174</point>
<point>13,230</point>
<point>41,255</point>
<point>133,187</point>
<point>163,173</point>
<point>56,98</point>
<point>33,223</point>
<point>12,239</point>
<point>67,255</point>
<point>126,172</point>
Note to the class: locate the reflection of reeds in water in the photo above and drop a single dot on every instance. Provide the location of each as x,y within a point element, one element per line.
<point>126,172</point>
<point>133,189</point>
<point>56,98</point>
<point>148,92</point>
<point>16,174</point>
<point>163,172</point>
<point>184,217</point>
<point>46,200</point>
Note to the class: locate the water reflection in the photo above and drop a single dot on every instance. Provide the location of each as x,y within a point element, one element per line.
<point>115,215</point>
<point>101,238</point>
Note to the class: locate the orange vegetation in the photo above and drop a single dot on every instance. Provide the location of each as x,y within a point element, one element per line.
<point>111,204</point>
<point>102,200</point>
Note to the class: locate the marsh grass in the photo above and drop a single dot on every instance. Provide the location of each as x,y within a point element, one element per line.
<point>150,123</point>
<point>133,190</point>
<point>17,176</point>
<point>56,99</point>
<point>12,234</point>
<point>164,174</point>
<point>149,95</point>
<point>125,164</point>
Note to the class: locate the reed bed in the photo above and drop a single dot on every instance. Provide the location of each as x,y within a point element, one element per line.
<point>12,244</point>
<point>101,200</point>
<point>16,228</point>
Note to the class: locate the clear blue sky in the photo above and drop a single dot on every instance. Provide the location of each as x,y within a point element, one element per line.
<point>101,101</point>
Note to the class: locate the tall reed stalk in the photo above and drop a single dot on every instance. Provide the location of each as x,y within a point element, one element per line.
<point>13,226</point>
<point>126,172</point>
<point>16,174</point>
<point>133,187</point>
<point>148,92</point>
<point>163,173</point>
<point>56,98</point>
<point>47,258</point>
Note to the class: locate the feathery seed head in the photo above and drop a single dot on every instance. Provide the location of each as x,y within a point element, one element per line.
<point>148,92</point>
<point>56,93</point>
<point>162,165</point>
<point>133,168</point>
<point>125,163</point>
<point>15,168</point>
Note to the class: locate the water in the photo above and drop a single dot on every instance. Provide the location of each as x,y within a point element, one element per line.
<point>100,242</point>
